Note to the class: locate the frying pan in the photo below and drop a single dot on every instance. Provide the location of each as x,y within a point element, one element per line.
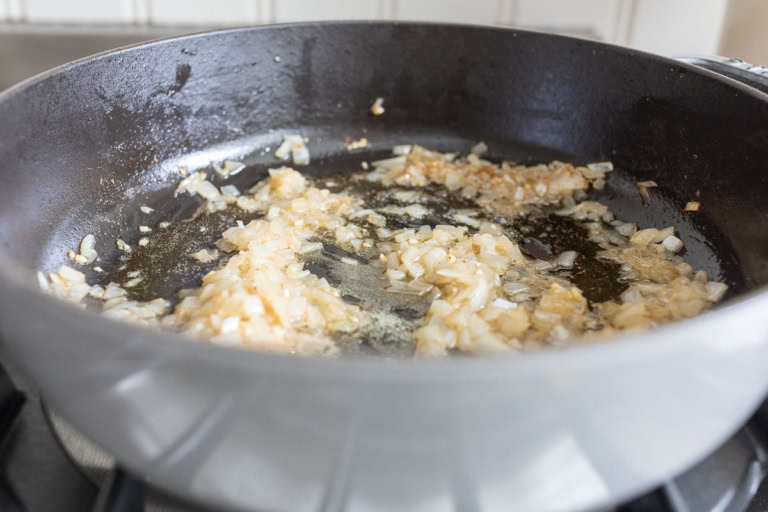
<point>81,147</point>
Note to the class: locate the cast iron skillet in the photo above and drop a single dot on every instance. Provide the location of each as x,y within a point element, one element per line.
<point>82,146</point>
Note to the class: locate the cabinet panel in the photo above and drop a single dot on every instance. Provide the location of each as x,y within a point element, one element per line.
<point>202,12</point>
<point>598,18</point>
<point>307,10</point>
<point>81,11</point>
<point>456,11</point>
<point>682,26</point>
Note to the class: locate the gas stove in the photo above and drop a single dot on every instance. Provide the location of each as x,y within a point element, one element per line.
<point>47,465</point>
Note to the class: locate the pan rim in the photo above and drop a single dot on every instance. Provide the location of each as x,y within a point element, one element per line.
<point>14,89</point>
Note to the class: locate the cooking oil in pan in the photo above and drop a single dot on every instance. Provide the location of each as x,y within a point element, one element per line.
<point>165,264</point>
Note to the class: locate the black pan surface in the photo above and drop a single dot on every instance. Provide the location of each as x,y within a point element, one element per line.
<point>120,132</point>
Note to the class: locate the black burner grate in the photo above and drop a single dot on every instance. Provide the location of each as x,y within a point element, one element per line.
<point>11,402</point>
<point>120,493</point>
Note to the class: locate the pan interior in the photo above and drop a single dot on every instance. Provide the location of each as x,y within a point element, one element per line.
<point>83,148</point>
<point>167,265</point>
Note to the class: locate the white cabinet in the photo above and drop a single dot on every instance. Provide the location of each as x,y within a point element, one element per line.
<point>302,10</point>
<point>80,11</point>
<point>597,18</point>
<point>452,11</point>
<point>14,10</point>
<point>661,26</point>
<point>678,27</point>
<point>202,12</point>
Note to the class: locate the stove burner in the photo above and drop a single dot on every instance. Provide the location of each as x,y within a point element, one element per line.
<point>119,491</point>
<point>729,480</point>
<point>11,402</point>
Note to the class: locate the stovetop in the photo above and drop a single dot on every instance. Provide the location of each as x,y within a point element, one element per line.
<point>47,465</point>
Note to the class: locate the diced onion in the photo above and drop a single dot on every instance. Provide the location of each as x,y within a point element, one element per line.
<point>206,256</point>
<point>601,166</point>
<point>228,168</point>
<point>481,293</point>
<point>672,243</point>
<point>357,144</point>
<point>122,245</point>
<point>378,107</point>
<point>567,259</point>
<point>402,149</point>
<point>715,290</point>
<point>692,206</point>
<point>309,247</point>
<point>479,149</point>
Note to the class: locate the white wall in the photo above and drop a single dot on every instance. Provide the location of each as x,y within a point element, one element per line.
<point>662,26</point>
<point>673,26</point>
<point>745,31</point>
